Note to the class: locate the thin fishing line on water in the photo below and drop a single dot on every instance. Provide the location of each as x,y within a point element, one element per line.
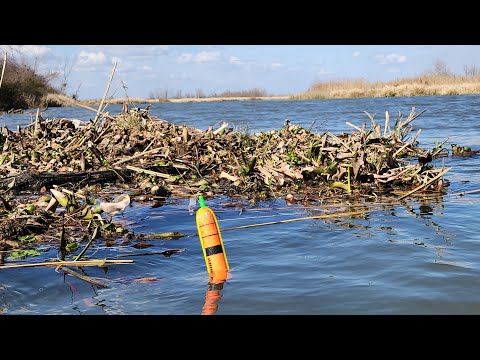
<point>256,217</point>
<point>461,193</point>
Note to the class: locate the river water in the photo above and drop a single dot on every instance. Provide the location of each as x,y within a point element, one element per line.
<point>409,257</point>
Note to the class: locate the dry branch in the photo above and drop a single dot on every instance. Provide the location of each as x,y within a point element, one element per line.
<point>3,68</point>
<point>426,184</point>
<point>100,262</point>
<point>105,93</point>
<point>83,277</point>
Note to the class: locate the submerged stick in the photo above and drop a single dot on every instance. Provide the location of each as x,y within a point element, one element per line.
<point>83,277</point>
<point>465,192</point>
<point>327,216</point>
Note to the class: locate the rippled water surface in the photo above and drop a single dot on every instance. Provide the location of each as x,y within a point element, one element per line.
<point>405,257</point>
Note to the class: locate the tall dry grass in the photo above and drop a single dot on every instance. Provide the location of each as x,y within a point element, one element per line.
<point>422,85</point>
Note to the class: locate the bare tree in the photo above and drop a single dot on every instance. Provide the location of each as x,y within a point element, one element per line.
<point>67,69</point>
<point>471,70</point>
<point>11,49</point>
<point>440,68</point>
<point>75,95</point>
<point>159,94</point>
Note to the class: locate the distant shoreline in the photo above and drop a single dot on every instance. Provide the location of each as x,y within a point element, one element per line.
<point>182,100</point>
<point>422,85</point>
<point>208,99</point>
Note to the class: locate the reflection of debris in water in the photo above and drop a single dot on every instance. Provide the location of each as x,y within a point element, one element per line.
<point>191,205</point>
<point>127,280</point>
<point>463,264</point>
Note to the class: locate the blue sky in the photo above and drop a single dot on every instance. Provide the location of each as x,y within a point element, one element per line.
<point>149,70</point>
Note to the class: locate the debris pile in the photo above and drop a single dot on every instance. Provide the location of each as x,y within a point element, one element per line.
<point>68,160</point>
<point>158,156</point>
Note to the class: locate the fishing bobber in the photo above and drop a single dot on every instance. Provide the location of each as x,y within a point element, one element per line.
<point>211,239</point>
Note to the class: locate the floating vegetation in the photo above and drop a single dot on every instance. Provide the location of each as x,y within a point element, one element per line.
<point>458,150</point>
<point>59,176</point>
<point>161,158</point>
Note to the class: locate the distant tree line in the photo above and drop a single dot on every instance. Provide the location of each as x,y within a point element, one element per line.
<point>440,68</point>
<point>163,94</point>
<point>438,80</point>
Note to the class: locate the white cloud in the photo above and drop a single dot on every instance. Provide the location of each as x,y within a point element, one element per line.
<point>276,65</point>
<point>356,54</point>
<point>157,49</point>
<point>201,57</point>
<point>234,60</point>
<point>207,56</point>
<point>129,50</point>
<point>90,58</point>
<point>26,50</point>
<point>390,58</point>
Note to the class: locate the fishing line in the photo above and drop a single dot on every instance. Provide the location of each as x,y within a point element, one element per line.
<point>193,200</point>
<point>257,217</point>
<point>461,193</point>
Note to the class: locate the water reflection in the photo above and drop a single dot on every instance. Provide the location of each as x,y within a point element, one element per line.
<point>76,296</point>
<point>216,283</point>
<point>3,303</point>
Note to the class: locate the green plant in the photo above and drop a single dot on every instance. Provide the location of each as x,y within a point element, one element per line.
<point>314,152</point>
<point>22,254</point>
<point>438,147</point>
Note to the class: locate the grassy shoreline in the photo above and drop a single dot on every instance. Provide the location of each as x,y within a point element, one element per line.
<point>424,85</point>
